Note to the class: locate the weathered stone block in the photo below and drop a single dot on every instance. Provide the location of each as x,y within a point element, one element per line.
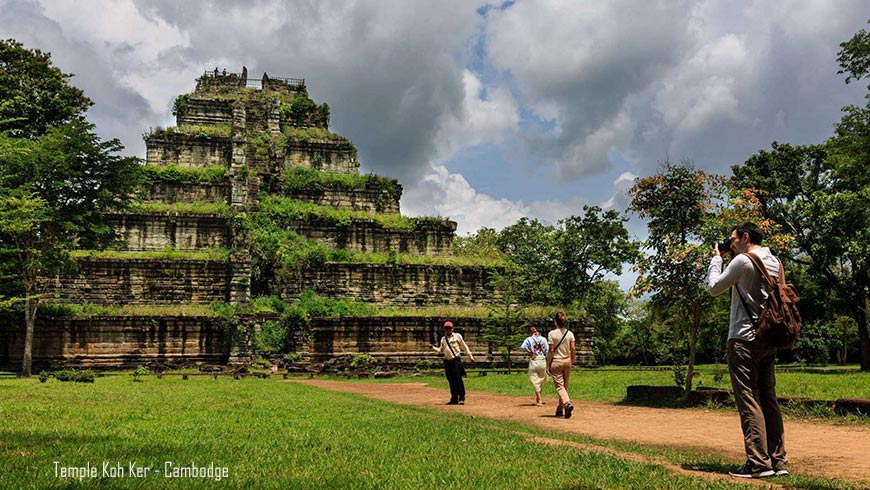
<point>118,342</point>
<point>857,406</point>
<point>142,282</point>
<point>397,285</point>
<point>205,112</point>
<point>371,236</point>
<point>370,200</point>
<point>336,157</point>
<point>162,231</point>
<point>187,150</point>
<point>175,192</point>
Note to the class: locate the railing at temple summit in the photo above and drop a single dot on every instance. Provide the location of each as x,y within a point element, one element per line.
<point>256,82</point>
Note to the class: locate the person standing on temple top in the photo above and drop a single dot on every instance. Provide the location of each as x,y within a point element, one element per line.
<point>537,347</point>
<point>559,360</point>
<point>450,346</point>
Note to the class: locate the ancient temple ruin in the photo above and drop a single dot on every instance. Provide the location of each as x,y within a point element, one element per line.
<point>251,195</point>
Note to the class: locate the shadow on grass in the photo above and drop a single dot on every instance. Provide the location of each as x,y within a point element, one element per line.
<point>104,447</point>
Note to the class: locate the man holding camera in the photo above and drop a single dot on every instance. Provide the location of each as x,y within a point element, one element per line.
<point>751,360</point>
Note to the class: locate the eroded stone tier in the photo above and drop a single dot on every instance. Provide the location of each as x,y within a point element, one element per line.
<point>430,239</point>
<point>371,199</point>
<point>139,281</point>
<point>118,342</point>
<point>328,156</point>
<point>163,231</point>
<point>405,340</point>
<point>205,112</point>
<point>185,192</point>
<point>396,285</point>
<point>188,150</point>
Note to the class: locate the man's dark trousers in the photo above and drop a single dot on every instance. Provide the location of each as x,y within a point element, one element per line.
<point>453,371</point>
<point>754,382</point>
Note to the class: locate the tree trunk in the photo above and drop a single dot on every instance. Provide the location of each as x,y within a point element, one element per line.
<point>30,304</point>
<point>690,370</point>
<point>863,334</point>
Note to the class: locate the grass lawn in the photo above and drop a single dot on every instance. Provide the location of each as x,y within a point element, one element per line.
<point>609,384</point>
<point>272,434</point>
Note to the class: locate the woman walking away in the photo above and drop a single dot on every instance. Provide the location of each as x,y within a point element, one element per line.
<point>537,347</point>
<point>559,361</point>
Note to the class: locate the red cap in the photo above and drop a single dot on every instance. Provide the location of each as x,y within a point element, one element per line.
<point>448,324</point>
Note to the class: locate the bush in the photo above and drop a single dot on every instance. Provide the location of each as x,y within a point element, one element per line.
<point>423,365</point>
<point>271,337</point>
<point>139,372</point>
<point>361,361</point>
<point>75,376</point>
<point>43,377</point>
<point>815,343</point>
<point>179,105</point>
<point>292,357</point>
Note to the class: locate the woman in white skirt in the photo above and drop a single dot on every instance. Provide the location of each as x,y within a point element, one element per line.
<point>537,347</point>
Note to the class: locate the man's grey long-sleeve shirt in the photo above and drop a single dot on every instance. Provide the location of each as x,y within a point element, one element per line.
<point>741,273</point>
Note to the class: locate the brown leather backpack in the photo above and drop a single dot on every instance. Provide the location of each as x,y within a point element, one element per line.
<point>780,321</point>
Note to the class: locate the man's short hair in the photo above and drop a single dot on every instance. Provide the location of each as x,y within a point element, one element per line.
<point>751,229</point>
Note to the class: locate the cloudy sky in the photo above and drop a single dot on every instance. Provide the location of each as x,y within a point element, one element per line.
<point>484,112</point>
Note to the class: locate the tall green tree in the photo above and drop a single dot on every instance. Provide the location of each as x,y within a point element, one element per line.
<point>587,247</point>
<point>607,307</point>
<point>57,178</point>
<point>819,194</point>
<point>529,247</point>
<point>503,329</point>
<point>679,205</point>
<point>34,95</point>
<point>821,200</point>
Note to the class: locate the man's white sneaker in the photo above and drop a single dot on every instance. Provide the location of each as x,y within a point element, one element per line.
<point>749,470</point>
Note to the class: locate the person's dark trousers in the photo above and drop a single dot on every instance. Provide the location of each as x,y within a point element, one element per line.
<point>753,380</point>
<point>453,371</point>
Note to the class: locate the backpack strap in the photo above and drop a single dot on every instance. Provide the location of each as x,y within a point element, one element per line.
<point>746,307</point>
<point>449,346</point>
<point>560,340</point>
<point>756,261</point>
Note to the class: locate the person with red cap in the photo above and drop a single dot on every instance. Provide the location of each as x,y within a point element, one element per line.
<point>450,346</point>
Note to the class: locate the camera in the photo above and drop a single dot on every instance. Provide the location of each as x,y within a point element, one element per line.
<point>724,245</point>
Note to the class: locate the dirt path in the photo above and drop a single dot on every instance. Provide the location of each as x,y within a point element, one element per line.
<point>823,450</point>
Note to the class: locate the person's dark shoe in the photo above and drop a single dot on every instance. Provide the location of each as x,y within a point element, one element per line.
<point>779,469</point>
<point>453,402</point>
<point>462,402</point>
<point>559,412</point>
<point>568,409</point>
<point>749,470</point>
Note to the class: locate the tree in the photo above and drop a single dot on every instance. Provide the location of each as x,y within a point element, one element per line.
<point>503,329</point>
<point>482,243</point>
<point>57,177</point>
<point>528,246</point>
<point>606,306</point>
<point>587,247</point>
<point>678,203</point>
<point>819,195</point>
<point>34,95</point>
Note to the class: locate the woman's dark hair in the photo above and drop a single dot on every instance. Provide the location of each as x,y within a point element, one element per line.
<point>560,319</point>
<point>751,229</point>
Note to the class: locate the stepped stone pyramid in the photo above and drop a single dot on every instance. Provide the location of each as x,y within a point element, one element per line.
<point>248,180</point>
<point>233,146</point>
